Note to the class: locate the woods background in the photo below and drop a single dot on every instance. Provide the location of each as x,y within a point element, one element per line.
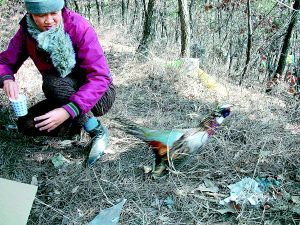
<point>249,39</point>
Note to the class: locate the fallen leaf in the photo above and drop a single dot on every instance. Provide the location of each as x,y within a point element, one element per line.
<point>164,218</point>
<point>34,181</point>
<point>267,206</point>
<point>109,216</point>
<point>296,209</point>
<point>263,155</point>
<point>226,210</point>
<point>75,189</point>
<point>169,202</point>
<point>180,192</point>
<point>11,127</point>
<point>66,143</point>
<point>295,199</point>
<point>147,169</point>
<point>209,184</point>
<point>202,188</point>
<point>58,160</point>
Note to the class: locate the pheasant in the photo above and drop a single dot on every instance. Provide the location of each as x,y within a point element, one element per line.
<point>172,147</point>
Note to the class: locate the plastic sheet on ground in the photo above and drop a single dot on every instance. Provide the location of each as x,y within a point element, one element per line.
<point>109,216</point>
<point>243,192</point>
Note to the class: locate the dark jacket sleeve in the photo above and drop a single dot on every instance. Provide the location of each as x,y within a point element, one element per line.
<point>13,57</point>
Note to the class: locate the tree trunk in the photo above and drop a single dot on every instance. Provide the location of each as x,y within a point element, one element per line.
<point>297,66</point>
<point>145,6</point>
<point>143,48</point>
<point>134,18</point>
<point>184,28</point>
<point>102,6</point>
<point>230,58</point>
<point>191,7</point>
<point>89,9</point>
<point>249,42</point>
<point>176,36</point>
<point>287,40</point>
<point>123,7</point>
<point>163,16</point>
<point>98,10</point>
<point>219,19</point>
<point>76,6</point>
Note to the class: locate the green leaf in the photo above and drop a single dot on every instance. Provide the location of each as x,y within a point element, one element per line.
<point>169,202</point>
<point>58,160</point>
<point>175,64</point>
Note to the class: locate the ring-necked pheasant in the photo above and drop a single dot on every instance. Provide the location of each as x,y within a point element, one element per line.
<point>171,147</point>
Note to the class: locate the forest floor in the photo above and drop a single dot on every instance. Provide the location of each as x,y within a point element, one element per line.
<point>261,139</point>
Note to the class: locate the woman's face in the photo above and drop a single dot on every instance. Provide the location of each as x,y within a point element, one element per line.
<point>47,21</point>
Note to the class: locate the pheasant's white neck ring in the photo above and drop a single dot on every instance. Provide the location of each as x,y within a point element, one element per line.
<point>220,120</point>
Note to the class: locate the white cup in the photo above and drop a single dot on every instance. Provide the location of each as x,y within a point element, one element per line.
<point>19,105</point>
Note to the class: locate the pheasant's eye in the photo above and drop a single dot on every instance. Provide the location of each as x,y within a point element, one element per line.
<point>225,112</point>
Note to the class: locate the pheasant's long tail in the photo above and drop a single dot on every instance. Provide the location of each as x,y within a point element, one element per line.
<point>132,128</point>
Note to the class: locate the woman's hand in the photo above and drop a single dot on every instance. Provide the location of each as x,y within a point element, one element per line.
<point>11,89</point>
<point>52,119</point>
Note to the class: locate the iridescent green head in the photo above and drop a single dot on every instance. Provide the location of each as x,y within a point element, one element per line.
<point>223,111</point>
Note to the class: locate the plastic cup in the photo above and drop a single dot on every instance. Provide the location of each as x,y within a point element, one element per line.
<point>19,105</point>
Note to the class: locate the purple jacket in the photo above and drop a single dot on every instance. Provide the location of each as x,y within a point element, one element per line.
<point>90,61</point>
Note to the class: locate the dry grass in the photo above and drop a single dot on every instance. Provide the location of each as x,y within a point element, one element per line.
<point>160,97</point>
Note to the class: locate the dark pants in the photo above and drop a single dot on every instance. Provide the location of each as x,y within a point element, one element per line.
<point>57,91</point>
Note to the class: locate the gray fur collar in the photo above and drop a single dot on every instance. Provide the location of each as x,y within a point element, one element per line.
<point>57,43</point>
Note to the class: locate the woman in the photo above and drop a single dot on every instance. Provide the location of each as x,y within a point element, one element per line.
<point>76,79</point>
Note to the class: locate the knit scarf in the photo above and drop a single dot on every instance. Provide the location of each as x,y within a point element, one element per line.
<point>57,43</point>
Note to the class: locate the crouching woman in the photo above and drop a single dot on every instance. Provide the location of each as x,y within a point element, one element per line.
<point>76,79</point>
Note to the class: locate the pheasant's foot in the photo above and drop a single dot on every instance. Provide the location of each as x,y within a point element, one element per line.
<point>159,171</point>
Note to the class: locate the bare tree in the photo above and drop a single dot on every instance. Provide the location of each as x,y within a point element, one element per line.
<point>287,40</point>
<point>147,30</point>
<point>88,9</point>
<point>185,28</point>
<point>249,42</point>
<point>124,11</point>
<point>191,6</point>
<point>98,10</point>
<point>76,6</point>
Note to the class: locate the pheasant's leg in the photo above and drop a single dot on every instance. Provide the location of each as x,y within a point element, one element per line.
<point>160,167</point>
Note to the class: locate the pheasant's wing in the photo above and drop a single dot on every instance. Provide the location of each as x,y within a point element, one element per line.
<point>189,143</point>
<point>166,137</point>
<point>161,141</point>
